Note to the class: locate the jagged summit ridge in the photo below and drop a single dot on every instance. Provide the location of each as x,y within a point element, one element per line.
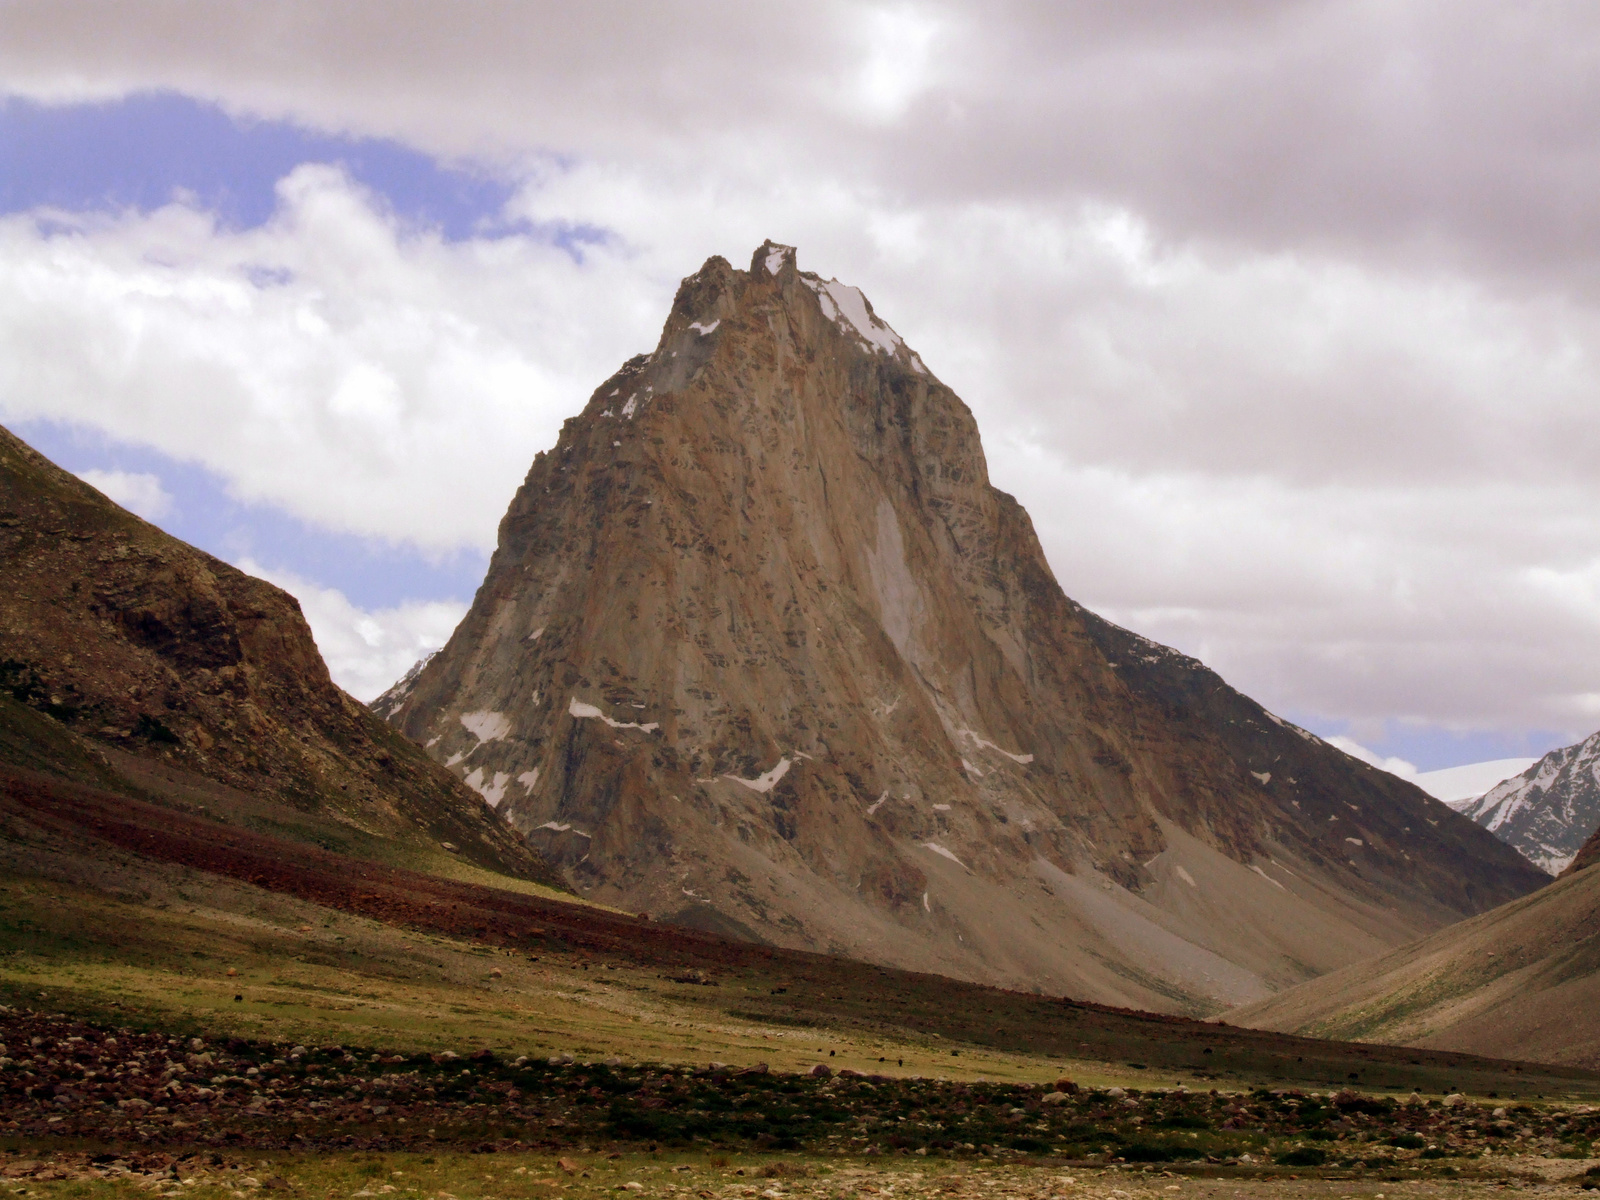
<point>771,655</point>
<point>844,305</point>
<point>1548,811</point>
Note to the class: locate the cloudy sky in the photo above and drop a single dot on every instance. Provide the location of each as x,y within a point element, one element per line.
<point>1282,318</point>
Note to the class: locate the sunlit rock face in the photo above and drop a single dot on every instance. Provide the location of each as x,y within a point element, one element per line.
<point>762,650</point>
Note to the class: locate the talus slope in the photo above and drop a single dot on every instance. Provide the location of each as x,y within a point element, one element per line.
<point>1522,982</point>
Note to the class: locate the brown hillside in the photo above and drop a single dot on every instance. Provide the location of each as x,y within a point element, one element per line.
<point>136,660</point>
<point>1588,855</point>
<point>1522,981</point>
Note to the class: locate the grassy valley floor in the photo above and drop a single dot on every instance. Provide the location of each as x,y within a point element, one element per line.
<point>238,1015</point>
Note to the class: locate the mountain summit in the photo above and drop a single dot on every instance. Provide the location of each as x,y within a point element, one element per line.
<point>762,650</point>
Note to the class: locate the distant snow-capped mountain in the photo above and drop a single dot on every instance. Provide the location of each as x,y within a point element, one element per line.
<point>1459,787</point>
<point>1549,810</point>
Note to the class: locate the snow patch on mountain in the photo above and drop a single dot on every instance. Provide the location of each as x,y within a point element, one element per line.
<point>486,726</point>
<point>588,712</point>
<point>841,300</point>
<point>493,790</point>
<point>945,852</point>
<point>764,782</point>
<point>776,255</point>
<point>984,744</point>
<point>1549,810</point>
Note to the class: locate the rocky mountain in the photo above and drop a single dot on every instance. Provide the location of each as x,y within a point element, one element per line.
<point>138,663</point>
<point>762,650</point>
<point>1521,982</point>
<point>1549,810</point>
<point>1588,854</point>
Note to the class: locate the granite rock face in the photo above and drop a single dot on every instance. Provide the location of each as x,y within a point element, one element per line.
<point>762,650</point>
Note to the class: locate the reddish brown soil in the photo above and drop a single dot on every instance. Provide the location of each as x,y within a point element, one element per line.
<point>814,988</point>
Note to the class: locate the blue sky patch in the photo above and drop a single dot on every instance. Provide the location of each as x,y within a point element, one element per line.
<point>371,572</point>
<point>1433,748</point>
<point>142,151</point>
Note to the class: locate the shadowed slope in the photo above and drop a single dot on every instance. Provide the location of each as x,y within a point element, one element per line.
<point>137,662</point>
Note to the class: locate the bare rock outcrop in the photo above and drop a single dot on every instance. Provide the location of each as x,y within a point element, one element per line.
<point>762,649</point>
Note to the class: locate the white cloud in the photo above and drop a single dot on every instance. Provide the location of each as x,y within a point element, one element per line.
<point>366,650</point>
<point>370,382</point>
<point>897,63</point>
<point>1453,785</point>
<point>1395,766</point>
<point>1458,785</point>
<point>138,492</point>
<point>1286,339</point>
<point>1304,471</point>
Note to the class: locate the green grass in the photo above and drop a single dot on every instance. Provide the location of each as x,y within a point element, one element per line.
<point>353,980</point>
<point>157,946</point>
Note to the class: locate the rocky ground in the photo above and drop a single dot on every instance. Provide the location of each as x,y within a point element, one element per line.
<point>147,1099</point>
<point>451,1176</point>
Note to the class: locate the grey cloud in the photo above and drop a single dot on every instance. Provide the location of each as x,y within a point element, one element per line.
<point>1460,132</point>
<point>1279,316</point>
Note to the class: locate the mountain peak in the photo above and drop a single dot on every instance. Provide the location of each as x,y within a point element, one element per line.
<point>1549,810</point>
<point>772,258</point>
<point>761,648</point>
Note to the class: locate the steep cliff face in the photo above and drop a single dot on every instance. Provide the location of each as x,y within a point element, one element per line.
<point>1548,811</point>
<point>761,649</point>
<point>164,666</point>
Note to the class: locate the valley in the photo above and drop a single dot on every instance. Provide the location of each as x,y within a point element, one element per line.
<point>817,855</point>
